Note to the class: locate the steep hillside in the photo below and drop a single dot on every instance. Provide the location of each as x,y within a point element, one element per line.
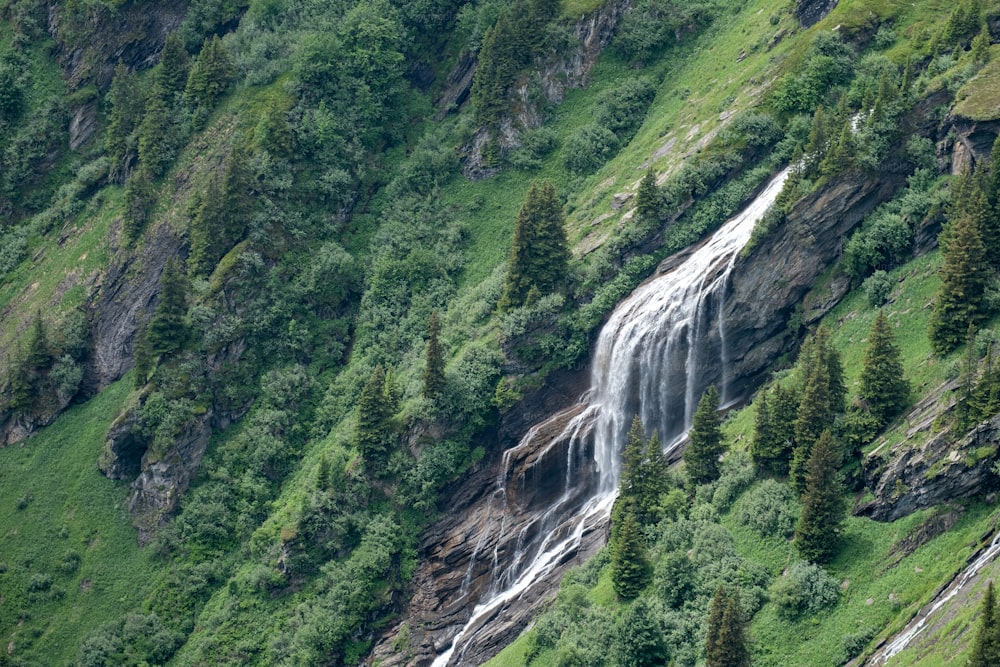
<point>285,286</point>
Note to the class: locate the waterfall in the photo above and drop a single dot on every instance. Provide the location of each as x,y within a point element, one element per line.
<point>659,350</point>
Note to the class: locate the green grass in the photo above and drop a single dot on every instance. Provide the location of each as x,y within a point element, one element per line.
<point>979,99</point>
<point>67,506</point>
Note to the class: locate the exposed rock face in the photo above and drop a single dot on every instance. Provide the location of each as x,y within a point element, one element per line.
<point>929,468</point>
<point>494,511</point>
<point>769,284</point>
<point>810,12</point>
<point>133,34</point>
<point>592,32</point>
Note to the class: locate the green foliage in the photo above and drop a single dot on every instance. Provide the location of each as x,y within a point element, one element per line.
<point>638,638</point>
<point>817,535</point>
<point>647,197</point>
<point>373,436</point>
<point>589,147</point>
<point>126,103</point>
<point>209,77</point>
<point>725,640</point>
<point>770,508</point>
<point>804,590</point>
<point>650,26</point>
<point>829,63</point>
<point>884,388</point>
<point>986,646</point>
<point>156,142</point>
<point>175,65</point>
<point>959,302</point>
<point>823,392</point>
<point>705,443</point>
<point>433,378</point>
<point>167,331</point>
<point>878,286</point>
<point>622,109</point>
<point>539,257</point>
<point>774,428</point>
<point>631,571</point>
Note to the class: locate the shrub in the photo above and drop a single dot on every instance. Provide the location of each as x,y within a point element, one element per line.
<point>737,473</point>
<point>590,147</point>
<point>804,589</point>
<point>877,288</point>
<point>770,509</point>
<point>623,108</point>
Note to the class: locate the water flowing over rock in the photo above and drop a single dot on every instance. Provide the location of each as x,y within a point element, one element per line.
<point>549,504</point>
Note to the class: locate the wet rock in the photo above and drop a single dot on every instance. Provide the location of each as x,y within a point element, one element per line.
<point>82,124</point>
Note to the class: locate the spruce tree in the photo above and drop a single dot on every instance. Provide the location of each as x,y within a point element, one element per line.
<point>205,232</point>
<point>39,354</point>
<point>883,385</point>
<point>494,71</point>
<point>986,647</point>
<point>639,640</point>
<point>156,142</point>
<point>823,511</point>
<point>142,352</point>
<point>823,391</point>
<point>959,301</point>
<point>139,195</point>
<point>729,645</point>
<point>125,105</point>
<point>208,78</point>
<point>167,330</point>
<point>373,433</point>
<point>774,429</point>
<point>647,199</point>
<point>631,571</point>
<point>175,65</point>
<point>539,258</point>
<point>716,610</point>
<point>433,359</point>
<point>705,444</point>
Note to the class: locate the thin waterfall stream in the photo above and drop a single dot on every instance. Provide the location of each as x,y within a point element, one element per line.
<point>659,350</point>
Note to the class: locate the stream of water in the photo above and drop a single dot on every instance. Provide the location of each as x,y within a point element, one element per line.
<point>653,358</point>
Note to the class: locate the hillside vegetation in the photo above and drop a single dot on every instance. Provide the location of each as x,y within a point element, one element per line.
<point>273,271</point>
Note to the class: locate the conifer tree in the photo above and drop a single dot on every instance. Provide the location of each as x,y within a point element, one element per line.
<point>539,258</point>
<point>774,429</point>
<point>126,103</point>
<point>139,195</point>
<point>823,511</point>
<point>156,143</point>
<point>208,78</point>
<point>959,301</point>
<point>205,231</point>
<point>175,65</point>
<point>716,610</point>
<point>373,434</point>
<point>729,645</point>
<point>638,639</point>
<point>433,359</point>
<point>986,647</point>
<point>883,385</point>
<point>647,199</point>
<point>142,352</point>
<point>705,444</point>
<point>39,354</point>
<point>494,72</point>
<point>631,571</point>
<point>167,330</point>
<point>823,389</point>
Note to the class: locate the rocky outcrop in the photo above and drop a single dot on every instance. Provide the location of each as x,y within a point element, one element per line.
<point>930,467</point>
<point>811,12</point>
<point>496,513</point>
<point>552,77</point>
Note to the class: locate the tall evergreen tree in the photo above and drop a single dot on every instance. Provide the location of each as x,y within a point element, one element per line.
<point>705,443</point>
<point>39,353</point>
<point>959,301</point>
<point>883,385</point>
<point>142,352</point>
<point>175,65</point>
<point>631,570</point>
<point>986,647</point>
<point>823,393</point>
<point>647,199</point>
<point>539,259</point>
<point>167,330</point>
<point>126,103</point>
<point>433,359</point>
<point>374,431</point>
<point>205,232</point>
<point>494,71</point>
<point>774,429</point>
<point>156,135</point>
<point>139,195</point>
<point>818,532</point>
<point>209,77</point>
<point>729,648</point>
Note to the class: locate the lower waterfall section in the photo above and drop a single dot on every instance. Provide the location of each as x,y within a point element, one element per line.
<point>659,350</point>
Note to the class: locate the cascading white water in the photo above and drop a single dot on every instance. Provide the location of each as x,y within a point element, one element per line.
<point>651,359</point>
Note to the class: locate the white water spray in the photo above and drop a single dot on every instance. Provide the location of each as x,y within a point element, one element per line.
<point>653,359</point>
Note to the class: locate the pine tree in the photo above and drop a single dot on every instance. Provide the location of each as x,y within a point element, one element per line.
<point>631,571</point>
<point>883,385</point>
<point>139,195</point>
<point>986,648</point>
<point>774,429</point>
<point>716,610</point>
<point>156,136</point>
<point>433,359</point>
<point>539,257</point>
<point>373,433</point>
<point>39,354</point>
<point>705,444</point>
<point>142,352</point>
<point>206,230</point>
<point>126,103</point>
<point>823,511</point>
<point>647,199</point>
<point>494,71</point>
<point>729,645</point>
<point>823,389</point>
<point>819,140</point>
<point>175,65</point>
<point>208,78</point>
<point>167,330</point>
<point>979,52</point>
<point>959,301</point>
